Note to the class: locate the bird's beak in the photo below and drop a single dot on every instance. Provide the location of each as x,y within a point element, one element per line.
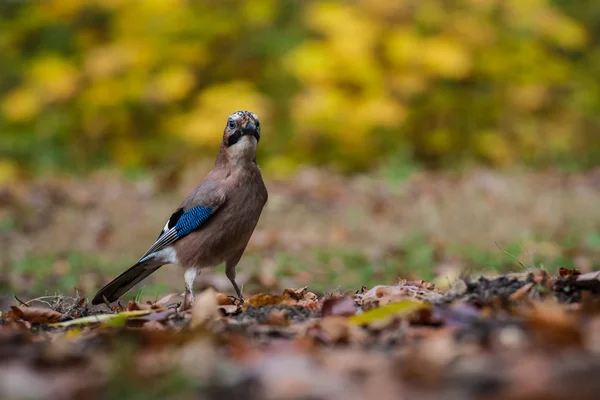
<point>249,129</point>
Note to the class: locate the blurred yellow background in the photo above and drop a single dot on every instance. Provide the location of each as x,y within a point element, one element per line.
<point>350,84</point>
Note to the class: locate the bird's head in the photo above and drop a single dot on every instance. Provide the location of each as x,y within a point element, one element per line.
<point>241,135</point>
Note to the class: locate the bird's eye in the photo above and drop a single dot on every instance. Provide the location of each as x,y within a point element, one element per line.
<point>231,124</point>
<point>257,124</point>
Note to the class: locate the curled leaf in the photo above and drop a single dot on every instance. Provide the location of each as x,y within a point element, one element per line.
<point>37,315</point>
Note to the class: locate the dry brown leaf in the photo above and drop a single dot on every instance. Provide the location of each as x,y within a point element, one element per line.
<point>331,330</point>
<point>224,300</point>
<point>521,292</point>
<point>165,299</point>
<point>563,272</point>
<point>37,315</point>
<point>205,308</point>
<point>295,293</point>
<point>589,281</point>
<point>540,277</point>
<point>309,300</point>
<point>277,318</point>
<point>230,309</point>
<point>335,330</point>
<point>595,275</point>
<point>382,295</point>
<point>262,299</point>
<point>134,306</point>
<point>421,284</point>
<point>290,297</point>
<point>553,326</point>
<point>153,326</point>
<point>338,306</point>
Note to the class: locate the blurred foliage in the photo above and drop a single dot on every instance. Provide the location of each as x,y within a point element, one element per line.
<point>149,83</point>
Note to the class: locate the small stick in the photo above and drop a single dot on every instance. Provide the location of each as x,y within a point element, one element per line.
<point>21,301</point>
<point>507,253</point>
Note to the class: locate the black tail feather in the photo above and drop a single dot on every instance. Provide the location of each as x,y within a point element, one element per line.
<point>128,279</point>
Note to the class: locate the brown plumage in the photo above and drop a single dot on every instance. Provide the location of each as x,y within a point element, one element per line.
<point>235,194</point>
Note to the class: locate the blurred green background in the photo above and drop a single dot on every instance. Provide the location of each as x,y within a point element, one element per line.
<point>142,84</point>
<point>112,110</point>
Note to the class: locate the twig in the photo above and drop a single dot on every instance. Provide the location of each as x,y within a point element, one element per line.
<point>42,300</point>
<point>514,258</point>
<point>21,301</point>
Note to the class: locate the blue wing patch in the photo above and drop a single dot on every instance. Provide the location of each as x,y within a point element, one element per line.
<point>192,219</point>
<point>179,225</point>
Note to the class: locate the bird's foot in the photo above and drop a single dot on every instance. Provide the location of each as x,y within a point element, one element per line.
<point>188,301</point>
<point>236,300</point>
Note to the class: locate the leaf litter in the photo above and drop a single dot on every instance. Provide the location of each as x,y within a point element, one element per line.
<point>519,336</point>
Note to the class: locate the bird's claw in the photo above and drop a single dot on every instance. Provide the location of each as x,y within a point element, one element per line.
<point>236,300</point>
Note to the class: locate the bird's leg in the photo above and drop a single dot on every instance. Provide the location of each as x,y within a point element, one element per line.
<point>189,276</point>
<point>230,272</point>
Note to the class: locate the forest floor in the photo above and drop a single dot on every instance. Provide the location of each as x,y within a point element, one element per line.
<point>525,336</point>
<point>431,286</point>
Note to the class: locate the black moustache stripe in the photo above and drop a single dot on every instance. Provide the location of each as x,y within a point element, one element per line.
<point>233,139</point>
<point>237,135</point>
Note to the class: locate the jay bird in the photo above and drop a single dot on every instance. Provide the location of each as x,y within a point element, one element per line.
<point>214,223</point>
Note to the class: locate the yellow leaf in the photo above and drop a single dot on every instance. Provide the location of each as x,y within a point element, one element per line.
<point>54,77</point>
<point>105,61</point>
<point>403,47</point>
<point>8,171</point>
<point>493,146</point>
<point>60,9</point>
<point>104,93</point>
<point>312,62</point>
<point>402,308</point>
<point>446,57</point>
<point>20,105</point>
<point>566,32</point>
<point>109,319</point>
<point>259,11</point>
<point>173,84</point>
<point>439,141</point>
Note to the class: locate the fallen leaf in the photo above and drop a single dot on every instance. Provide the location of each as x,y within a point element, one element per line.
<point>37,315</point>
<point>402,308</point>
<point>295,294</point>
<point>262,299</point>
<point>589,281</point>
<point>224,300</point>
<point>277,318</point>
<point>164,300</point>
<point>332,329</point>
<point>338,306</point>
<point>230,309</point>
<point>521,292</point>
<point>117,319</point>
<point>290,297</point>
<point>157,316</point>
<point>205,308</point>
<point>335,330</point>
<point>553,326</point>
<point>135,306</point>
<point>421,284</point>
<point>153,326</point>
<point>562,272</point>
